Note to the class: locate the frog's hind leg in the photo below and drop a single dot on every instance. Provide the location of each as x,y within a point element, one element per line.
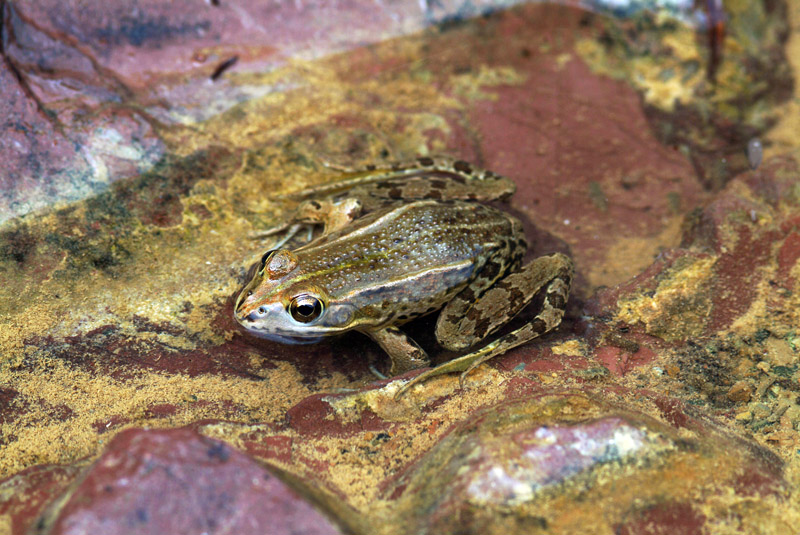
<point>513,292</point>
<point>423,178</point>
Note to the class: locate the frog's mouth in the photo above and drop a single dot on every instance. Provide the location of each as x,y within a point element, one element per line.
<point>285,338</point>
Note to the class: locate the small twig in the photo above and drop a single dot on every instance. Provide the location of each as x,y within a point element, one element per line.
<point>224,66</point>
<point>765,384</point>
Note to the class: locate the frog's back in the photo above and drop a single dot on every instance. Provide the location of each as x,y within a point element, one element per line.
<point>417,255</point>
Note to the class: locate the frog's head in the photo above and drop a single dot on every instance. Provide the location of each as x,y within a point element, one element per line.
<point>279,303</point>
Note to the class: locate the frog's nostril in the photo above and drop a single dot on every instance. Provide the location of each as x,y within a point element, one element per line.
<point>256,314</point>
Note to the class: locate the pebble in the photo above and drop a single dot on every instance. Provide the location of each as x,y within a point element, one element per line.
<point>755,152</point>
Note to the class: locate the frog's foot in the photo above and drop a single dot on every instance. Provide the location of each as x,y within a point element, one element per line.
<point>405,353</point>
<point>291,229</point>
<point>333,215</point>
<point>376,373</point>
<point>456,365</point>
<point>283,227</point>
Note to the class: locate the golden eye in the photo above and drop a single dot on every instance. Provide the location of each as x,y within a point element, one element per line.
<point>305,308</point>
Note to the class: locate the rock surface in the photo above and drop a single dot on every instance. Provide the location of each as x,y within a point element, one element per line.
<point>667,401</point>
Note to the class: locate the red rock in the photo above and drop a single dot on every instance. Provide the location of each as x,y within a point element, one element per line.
<point>788,256</point>
<point>177,481</point>
<point>620,362</point>
<point>89,84</point>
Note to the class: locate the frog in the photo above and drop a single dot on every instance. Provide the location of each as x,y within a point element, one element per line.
<point>398,242</point>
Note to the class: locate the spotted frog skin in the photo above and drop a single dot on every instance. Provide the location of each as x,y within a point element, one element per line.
<point>399,242</point>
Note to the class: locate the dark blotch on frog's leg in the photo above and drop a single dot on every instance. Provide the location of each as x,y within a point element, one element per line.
<point>556,300</point>
<point>557,294</point>
<point>511,337</point>
<point>491,270</point>
<point>482,326</point>
<point>516,299</point>
<point>467,294</point>
<point>538,326</point>
<point>565,274</point>
<point>434,194</point>
<point>427,162</point>
<point>462,167</point>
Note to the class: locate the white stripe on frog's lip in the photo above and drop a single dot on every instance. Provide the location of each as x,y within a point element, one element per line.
<point>285,339</point>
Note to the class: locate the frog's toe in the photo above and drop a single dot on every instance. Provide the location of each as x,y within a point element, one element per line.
<point>457,365</point>
<point>376,373</point>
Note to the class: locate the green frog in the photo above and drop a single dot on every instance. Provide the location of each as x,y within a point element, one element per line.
<point>399,242</point>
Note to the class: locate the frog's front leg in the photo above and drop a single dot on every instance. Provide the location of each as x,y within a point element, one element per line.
<point>465,321</point>
<point>404,352</point>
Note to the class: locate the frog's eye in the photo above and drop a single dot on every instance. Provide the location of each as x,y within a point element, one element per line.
<point>305,308</point>
<point>266,257</point>
<point>277,263</point>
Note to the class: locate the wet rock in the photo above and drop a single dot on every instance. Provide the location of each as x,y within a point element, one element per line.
<point>177,481</point>
<point>561,463</point>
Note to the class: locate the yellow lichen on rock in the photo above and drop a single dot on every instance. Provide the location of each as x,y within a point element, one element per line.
<point>783,136</point>
<point>570,348</point>
<point>664,80</point>
<point>678,307</point>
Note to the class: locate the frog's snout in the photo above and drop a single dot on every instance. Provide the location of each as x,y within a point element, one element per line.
<point>240,311</point>
<point>255,315</point>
